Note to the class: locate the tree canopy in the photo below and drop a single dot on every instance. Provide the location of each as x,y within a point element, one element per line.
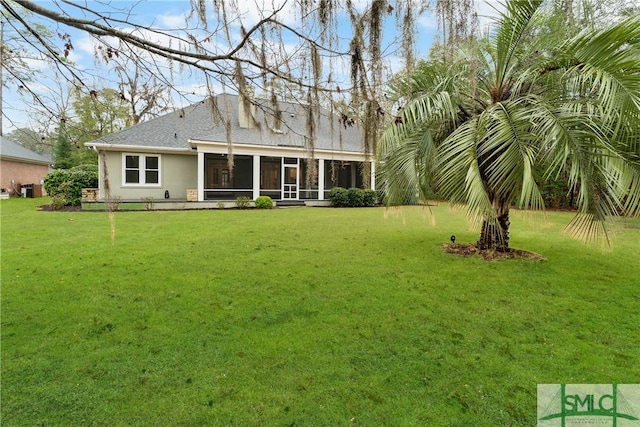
<point>314,51</point>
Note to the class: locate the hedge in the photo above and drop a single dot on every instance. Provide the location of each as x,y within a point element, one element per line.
<point>67,184</point>
<point>353,197</point>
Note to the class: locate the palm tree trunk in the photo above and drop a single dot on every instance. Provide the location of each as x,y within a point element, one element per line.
<point>495,235</point>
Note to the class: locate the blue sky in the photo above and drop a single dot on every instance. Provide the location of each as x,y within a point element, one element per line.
<point>19,111</point>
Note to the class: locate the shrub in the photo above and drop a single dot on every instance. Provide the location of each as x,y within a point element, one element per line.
<point>149,203</point>
<point>369,198</point>
<point>53,181</point>
<point>58,202</point>
<point>112,204</point>
<point>338,197</point>
<point>355,197</point>
<point>264,202</point>
<point>87,168</point>
<point>70,182</point>
<point>243,202</point>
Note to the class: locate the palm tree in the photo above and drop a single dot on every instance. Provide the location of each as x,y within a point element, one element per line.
<point>487,128</point>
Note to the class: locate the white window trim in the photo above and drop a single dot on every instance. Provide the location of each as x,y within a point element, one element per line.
<point>141,169</point>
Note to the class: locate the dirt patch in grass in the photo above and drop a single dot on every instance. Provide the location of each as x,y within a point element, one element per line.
<point>469,249</point>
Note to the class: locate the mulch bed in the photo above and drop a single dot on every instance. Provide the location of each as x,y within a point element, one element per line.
<point>49,208</point>
<point>469,249</point>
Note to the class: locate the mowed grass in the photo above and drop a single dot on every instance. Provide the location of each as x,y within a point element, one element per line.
<point>303,317</point>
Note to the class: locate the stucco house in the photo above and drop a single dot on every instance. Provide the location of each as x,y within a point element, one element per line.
<point>184,155</point>
<point>20,166</point>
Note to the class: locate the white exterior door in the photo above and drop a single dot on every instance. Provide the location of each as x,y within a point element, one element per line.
<point>290,182</point>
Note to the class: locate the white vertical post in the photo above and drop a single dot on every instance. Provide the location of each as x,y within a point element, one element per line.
<point>298,180</point>
<point>200,176</point>
<point>256,177</point>
<point>320,179</point>
<point>282,170</point>
<point>373,175</point>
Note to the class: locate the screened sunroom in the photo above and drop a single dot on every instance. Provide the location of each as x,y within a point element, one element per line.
<point>281,178</point>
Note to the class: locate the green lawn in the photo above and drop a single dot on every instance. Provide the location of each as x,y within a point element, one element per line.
<point>303,317</point>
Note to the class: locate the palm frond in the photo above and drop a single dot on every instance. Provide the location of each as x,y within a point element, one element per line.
<point>588,227</point>
<point>405,171</point>
<point>512,171</point>
<point>608,65</point>
<point>460,179</point>
<point>406,151</point>
<point>512,31</point>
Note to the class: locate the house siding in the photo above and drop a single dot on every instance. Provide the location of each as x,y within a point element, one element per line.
<point>21,173</point>
<point>177,174</point>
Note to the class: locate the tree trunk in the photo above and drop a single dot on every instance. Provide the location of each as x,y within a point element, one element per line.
<point>496,236</point>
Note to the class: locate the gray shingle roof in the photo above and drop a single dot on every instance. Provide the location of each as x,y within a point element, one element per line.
<point>204,121</point>
<point>10,150</point>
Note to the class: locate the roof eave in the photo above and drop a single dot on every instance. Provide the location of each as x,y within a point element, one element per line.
<point>138,148</point>
<point>23,160</point>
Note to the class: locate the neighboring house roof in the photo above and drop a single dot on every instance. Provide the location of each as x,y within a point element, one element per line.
<point>10,150</point>
<point>205,121</point>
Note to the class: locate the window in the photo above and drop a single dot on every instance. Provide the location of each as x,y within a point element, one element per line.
<point>141,169</point>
